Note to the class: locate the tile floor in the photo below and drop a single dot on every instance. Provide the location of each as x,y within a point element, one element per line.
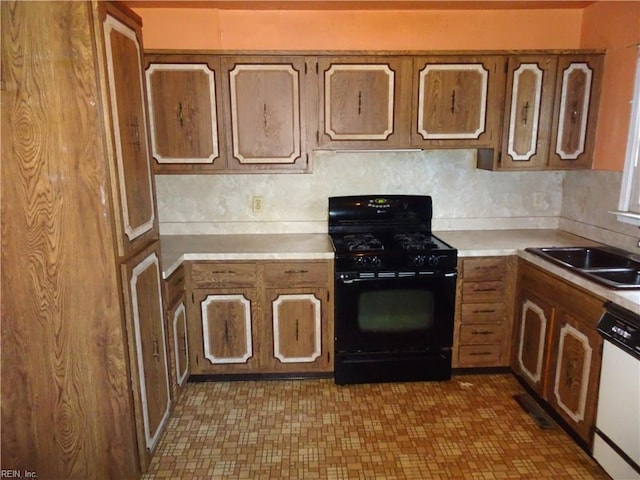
<point>467,428</point>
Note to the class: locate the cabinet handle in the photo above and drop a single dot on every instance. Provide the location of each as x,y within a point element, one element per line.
<point>226,332</point>
<point>525,113</point>
<point>360,102</point>
<point>486,268</point>
<point>180,114</point>
<point>293,272</point>
<point>297,324</point>
<point>479,354</point>
<point>488,289</point>
<point>574,112</point>
<point>136,132</point>
<point>184,343</point>
<point>156,350</point>
<point>484,311</point>
<point>453,101</point>
<point>481,332</point>
<point>264,115</point>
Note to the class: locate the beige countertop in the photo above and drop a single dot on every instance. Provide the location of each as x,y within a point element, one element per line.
<point>178,248</point>
<point>513,242</point>
<point>469,243</point>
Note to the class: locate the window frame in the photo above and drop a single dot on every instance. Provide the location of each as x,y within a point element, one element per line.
<point>629,202</point>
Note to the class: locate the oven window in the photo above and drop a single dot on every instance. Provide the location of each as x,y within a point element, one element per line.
<point>395,310</point>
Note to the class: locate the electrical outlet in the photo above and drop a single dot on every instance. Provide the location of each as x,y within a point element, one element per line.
<point>538,199</point>
<point>257,204</point>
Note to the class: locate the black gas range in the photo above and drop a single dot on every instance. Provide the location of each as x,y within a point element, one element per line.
<point>384,234</point>
<point>395,288</point>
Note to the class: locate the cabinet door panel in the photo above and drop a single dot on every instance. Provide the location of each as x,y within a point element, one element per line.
<point>576,105</point>
<point>574,388</point>
<point>297,328</point>
<point>458,101</point>
<point>297,338</point>
<point>528,111</point>
<point>363,102</point>
<point>145,314</point>
<point>536,316</point>
<point>183,104</point>
<point>180,344</point>
<point>126,88</point>
<point>267,115</point>
<point>226,326</point>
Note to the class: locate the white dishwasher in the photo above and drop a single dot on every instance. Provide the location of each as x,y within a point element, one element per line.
<point>616,445</point>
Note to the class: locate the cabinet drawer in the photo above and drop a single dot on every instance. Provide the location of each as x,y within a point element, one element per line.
<point>483,292</point>
<point>481,334</point>
<point>174,287</point>
<point>484,269</point>
<point>292,274</point>
<point>482,313</point>
<point>477,355</point>
<point>205,275</point>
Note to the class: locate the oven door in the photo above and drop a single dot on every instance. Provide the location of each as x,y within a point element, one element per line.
<point>394,313</point>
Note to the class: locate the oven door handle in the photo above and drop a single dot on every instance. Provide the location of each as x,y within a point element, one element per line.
<point>398,277</point>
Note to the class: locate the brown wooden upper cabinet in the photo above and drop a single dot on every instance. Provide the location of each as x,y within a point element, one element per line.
<point>265,112</point>
<point>550,111</point>
<point>364,102</point>
<point>575,111</point>
<point>457,101</point>
<point>184,109</point>
<point>135,187</point>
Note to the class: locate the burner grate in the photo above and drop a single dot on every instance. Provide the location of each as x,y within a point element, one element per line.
<point>362,242</point>
<point>414,241</point>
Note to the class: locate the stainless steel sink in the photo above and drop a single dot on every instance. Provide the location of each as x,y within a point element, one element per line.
<point>608,266</point>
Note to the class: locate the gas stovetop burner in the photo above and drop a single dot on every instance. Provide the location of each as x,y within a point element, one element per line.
<point>362,242</point>
<point>414,241</point>
<point>386,235</point>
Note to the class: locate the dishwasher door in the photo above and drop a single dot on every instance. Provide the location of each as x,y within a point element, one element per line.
<point>616,444</point>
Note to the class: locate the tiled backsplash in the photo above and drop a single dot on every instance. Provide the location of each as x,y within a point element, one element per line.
<point>464,198</point>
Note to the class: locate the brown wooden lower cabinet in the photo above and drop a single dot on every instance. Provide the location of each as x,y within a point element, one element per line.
<point>260,317</point>
<point>142,281</point>
<point>557,349</point>
<point>484,310</point>
<point>177,331</point>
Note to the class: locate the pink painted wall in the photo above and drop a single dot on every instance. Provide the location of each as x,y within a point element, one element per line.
<point>359,29</point>
<point>614,26</point>
<point>606,24</point>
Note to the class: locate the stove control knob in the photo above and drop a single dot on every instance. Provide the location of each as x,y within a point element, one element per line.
<point>418,260</point>
<point>433,260</point>
<point>375,261</point>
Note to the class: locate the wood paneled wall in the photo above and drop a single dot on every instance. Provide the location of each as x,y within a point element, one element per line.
<point>66,404</point>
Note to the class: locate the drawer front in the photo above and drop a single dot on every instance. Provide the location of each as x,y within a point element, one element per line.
<point>483,313</point>
<point>292,274</point>
<point>483,292</point>
<point>207,275</point>
<point>484,269</point>
<point>481,334</point>
<point>174,287</point>
<point>479,355</point>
